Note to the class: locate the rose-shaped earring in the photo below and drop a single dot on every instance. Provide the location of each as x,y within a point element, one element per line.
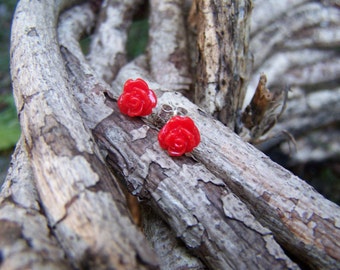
<point>137,99</point>
<point>179,136</point>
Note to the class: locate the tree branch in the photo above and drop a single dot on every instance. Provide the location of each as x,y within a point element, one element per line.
<point>303,57</point>
<point>274,35</point>
<point>81,199</point>
<point>279,200</point>
<point>223,64</point>
<point>26,239</point>
<point>167,47</point>
<point>107,48</point>
<point>195,228</point>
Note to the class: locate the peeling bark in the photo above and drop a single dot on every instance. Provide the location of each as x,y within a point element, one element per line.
<point>263,186</point>
<point>114,135</point>
<point>171,250</point>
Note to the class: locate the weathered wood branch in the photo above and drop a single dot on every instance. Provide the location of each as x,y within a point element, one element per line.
<point>262,18</point>
<point>223,63</point>
<point>104,130</point>
<point>107,49</point>
<point>305,112</point>
<point>172,252</point>
<point>283,65</point>
<point>26,240</point>
<point>274,35</point>
<point>126,161</point>
<point>125,157</point>
<point>318,146</point>
<point>130,142</point>
<point>73,24</point>
<point>281,201</point>
<point>295,45</point>
<point>77,191</point>
<point>122,154</point>
<point>168,49</point>
<point>69,37</point>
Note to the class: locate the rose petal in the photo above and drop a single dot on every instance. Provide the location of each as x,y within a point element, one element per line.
<point>176,144</point>
<point>139,83</point>
<point>187,123</point>
<point>178,148</point>
<point>190,138</point>
<point>152,98</point>
<point>135,107</point>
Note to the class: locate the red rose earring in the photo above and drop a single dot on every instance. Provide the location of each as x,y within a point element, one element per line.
<point>179,136</point>
<point>137,99</point>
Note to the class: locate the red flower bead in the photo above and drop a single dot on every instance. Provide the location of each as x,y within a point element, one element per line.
<point>179,136</point>
<point>137,99</point>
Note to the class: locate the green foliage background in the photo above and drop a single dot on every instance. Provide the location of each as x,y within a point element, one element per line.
<point>9,125</point>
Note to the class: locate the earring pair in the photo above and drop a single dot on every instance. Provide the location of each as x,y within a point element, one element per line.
<point>178,136</point>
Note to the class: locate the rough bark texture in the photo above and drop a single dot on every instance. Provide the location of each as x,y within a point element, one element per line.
<point>226,205</point>
<point>168,45</point>
<point>83,203</point>
<point>107,50</point>
<point>223,63</point>
<point>27,242</point>
<point>280,200</point>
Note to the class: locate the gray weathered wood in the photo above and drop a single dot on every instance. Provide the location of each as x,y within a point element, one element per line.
<point>107,49</point>
<point>172,252</point>
<point>304,56</point>
<point>26,240</point>
<point>81,198</point>
<point>306,111</point>
<point>281,201</point>
<point>94,111</point>
<point>167,48</point>
<point>223,62</point>
<point>129,142</point>
<point>310,14</point>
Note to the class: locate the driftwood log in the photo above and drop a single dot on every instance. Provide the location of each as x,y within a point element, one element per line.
<point>226,205</point>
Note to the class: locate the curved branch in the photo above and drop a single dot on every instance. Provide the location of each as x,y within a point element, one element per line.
<point>305,112</point>
<point>196,228</point>
<point>83,203</point>
<point>225,192</point>
<point>295,45</point>
<point>94,111</point>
